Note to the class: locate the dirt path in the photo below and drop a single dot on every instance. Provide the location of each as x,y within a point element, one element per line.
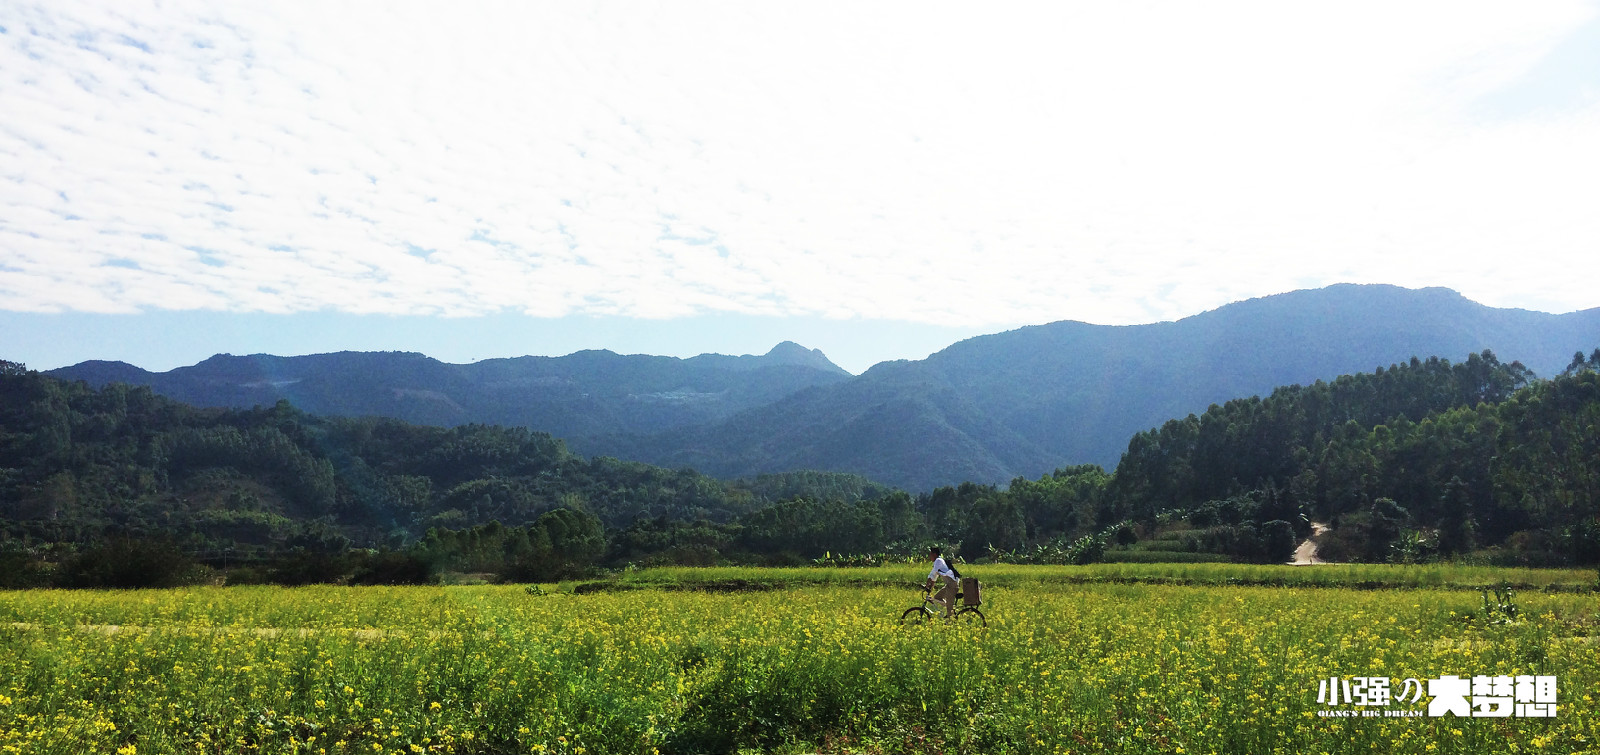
<point>1307,552</point>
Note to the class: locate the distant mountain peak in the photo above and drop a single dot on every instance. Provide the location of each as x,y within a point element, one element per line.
<point>789,352</point>
<point>100,372</point>
<point>785,354</point>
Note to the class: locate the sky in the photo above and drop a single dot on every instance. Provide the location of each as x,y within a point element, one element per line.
<point>878,180</point>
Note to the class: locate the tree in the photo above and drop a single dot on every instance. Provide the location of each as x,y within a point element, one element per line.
<point>996,522</point>
<point>1458,529</point>
<point>1278,541</point>
<point>577,541</point>
<point>129,563</point>
<point>1577,364</point>
<point>1386,522</point>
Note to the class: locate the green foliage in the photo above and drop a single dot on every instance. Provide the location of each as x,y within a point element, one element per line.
<point>1503,608</point>
<point>812,484</point>
<point>1067,504</point>
<point>857,561</point>
<point>1317,429</point>
<point>23,566</point>
<point>808,528</point>
<point>1278,541</point>
<point>1161,557</point>
<point>279,495</point>
<point>1545,466</point>
<point>660,541</point>
<point>128,563</point>
<point>561,544</point>
<point>577,542</point>
<point>1422,460</point>
<point>1087,549</point>
<point>391,568</point>
<point>1412,547</point>
<point>1580,363</point>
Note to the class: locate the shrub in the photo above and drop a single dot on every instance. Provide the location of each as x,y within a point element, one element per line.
<point>132,563</point>
<point>392,568</point>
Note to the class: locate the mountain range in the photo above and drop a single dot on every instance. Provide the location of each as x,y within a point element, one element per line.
<point>578,395</point>
<point>986,409</point>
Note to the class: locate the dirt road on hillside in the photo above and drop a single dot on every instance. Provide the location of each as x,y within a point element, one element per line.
<point>1306,554</point>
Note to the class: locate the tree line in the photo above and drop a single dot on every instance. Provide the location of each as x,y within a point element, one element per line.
<point>1423,459</point>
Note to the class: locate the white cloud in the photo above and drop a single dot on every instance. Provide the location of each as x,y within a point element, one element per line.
<point>938,163</point>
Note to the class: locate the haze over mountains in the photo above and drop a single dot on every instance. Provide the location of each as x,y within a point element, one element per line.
<point>985,409</point>
<point>578,395</point>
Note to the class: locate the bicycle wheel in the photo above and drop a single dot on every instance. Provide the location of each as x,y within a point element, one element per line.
<point>971,617</point>
<point>915,616</point>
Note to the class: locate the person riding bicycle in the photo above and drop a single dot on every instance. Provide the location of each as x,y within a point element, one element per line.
<point>947,594</point>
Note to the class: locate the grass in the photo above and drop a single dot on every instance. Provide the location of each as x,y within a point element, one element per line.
<point>1075,659</point>
<point>1153,556</point>
<point>1355,576</point>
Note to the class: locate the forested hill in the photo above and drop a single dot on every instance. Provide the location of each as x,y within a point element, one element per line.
<point>1423,459</point>
<point>1026,401</point>
<point>586,393</point>
<point>988,409</point>
<point>78,464</point>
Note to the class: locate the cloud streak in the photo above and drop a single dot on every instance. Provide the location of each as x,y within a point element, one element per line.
<point>926,163</point>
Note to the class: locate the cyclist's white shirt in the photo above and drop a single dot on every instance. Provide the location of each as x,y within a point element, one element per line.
<point>941,569</point>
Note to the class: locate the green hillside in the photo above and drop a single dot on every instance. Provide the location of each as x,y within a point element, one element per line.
<point>1024,402</point>
<point>1420,461</point>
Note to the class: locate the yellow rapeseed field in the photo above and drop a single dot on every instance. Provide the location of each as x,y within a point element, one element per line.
<point>492,669</point>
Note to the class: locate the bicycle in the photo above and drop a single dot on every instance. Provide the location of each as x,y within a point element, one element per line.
<point>930,611</point>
